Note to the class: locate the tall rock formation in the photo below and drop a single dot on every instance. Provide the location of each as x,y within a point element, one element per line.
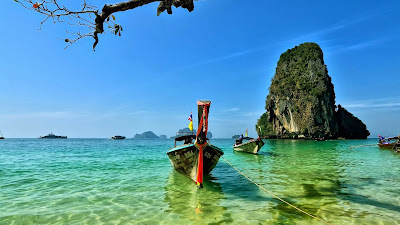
<point>301,99</point>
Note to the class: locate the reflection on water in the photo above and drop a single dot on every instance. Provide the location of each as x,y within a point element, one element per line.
<point>251,158</point>
<point>309,178</point>
<point>197,205</point>
<point>326,179</point>
<point>369,185</point>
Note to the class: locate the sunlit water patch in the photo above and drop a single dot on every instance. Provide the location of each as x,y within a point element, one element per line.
<point>98,181</point>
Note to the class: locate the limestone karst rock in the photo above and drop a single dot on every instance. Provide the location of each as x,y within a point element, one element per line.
<point>301,100</point>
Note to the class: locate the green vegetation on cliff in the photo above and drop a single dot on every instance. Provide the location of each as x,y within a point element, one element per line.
<point>301,99</point>
<point>301,69</point>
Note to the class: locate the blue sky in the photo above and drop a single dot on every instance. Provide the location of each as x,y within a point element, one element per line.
<point>225,51</point>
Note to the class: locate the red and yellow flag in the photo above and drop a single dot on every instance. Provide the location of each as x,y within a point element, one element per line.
<point>191,122</point>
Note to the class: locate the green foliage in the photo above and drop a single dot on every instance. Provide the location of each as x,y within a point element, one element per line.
<point>304,52</point>
<point>300,71</point>
<point>266,126</point>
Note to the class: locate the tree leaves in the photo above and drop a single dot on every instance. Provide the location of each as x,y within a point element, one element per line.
<point>118,29</point>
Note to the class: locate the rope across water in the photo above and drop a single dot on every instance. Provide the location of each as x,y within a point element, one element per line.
<point>357,146</point>
<point>274,195</point>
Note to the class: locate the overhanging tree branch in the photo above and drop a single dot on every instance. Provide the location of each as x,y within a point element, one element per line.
<point>89,17</point>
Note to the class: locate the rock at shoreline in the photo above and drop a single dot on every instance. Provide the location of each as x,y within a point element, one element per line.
<point>301,100</point>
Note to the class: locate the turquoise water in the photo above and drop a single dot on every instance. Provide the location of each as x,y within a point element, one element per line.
<point>96,181</point>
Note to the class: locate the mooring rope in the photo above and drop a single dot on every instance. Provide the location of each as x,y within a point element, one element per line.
<point>357,146</point>
<point>274,195</point>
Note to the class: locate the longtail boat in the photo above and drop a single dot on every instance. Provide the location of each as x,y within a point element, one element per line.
<point>200,157</point>
<point>388,143</point>
<point>248,145</point>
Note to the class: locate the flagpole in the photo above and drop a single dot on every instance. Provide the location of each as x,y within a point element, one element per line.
<point>191,122</point>
<point>191,112</point>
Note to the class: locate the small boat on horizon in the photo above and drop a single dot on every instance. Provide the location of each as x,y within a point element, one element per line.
<point>198,158</point>
<point>1,137</point>
<point>52,136</point>
<point>118,137</point>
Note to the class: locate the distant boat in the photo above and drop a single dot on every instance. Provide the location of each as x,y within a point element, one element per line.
<point>388,143</point>
<point>117,137</point>
<point>52,136</point>
<point>1,137</point>
<point>248,145</point>
<point>196,159</point>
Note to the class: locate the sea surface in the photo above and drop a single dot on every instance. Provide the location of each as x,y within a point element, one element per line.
<point>99,181</point>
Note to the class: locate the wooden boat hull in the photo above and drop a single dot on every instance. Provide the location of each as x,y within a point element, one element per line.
<point>252,146</point>
<point>386,145</point>
<point>184,159</point>
<point>1,137</point>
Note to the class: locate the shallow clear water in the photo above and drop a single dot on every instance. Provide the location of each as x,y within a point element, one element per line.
<point>98,181</point>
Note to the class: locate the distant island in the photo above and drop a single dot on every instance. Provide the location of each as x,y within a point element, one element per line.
<point>237,136</point>
<point>301,100</point>
<point>188,131</point>
<point>149,135</point>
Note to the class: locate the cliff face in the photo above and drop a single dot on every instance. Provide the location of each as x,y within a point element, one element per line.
<point>301,100</point>
<point>349,125</point>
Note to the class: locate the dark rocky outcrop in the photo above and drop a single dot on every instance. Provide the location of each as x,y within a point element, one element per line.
<point>301,100</point>
<point>146,135</point>
<point>350,126</point>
